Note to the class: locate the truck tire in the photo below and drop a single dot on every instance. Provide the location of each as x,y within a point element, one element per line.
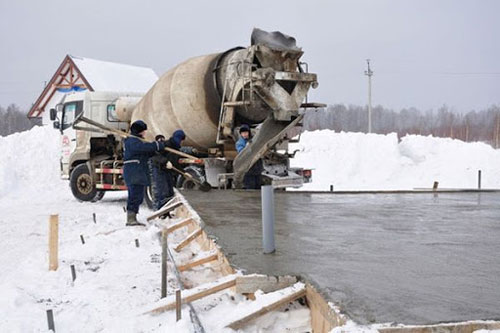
<point>82,185</point>
<point>186,183</point>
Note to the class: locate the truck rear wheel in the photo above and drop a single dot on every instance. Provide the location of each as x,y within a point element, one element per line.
<point>187,183</point>
<point>82,185</point>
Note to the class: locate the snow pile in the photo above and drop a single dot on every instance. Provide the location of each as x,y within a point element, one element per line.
<point>30,160</point>
<point>358,161</point>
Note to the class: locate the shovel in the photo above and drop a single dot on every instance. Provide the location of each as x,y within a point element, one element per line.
<point>204,187</point>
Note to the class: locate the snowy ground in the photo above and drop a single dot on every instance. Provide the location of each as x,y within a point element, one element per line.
<point>357,161</point>
<point>115,279</point>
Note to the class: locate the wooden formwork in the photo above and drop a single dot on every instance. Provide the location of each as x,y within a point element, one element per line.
<point>323,316</point>
<point>206,244</point>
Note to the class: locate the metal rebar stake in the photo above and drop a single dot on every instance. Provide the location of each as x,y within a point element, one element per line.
<point>164,249</point>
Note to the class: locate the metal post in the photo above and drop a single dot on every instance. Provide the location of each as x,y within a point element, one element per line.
<point>267,197</point>
<point>73,273</point>
<point>178,313</point>
<point>50,320</point>
<point>164,254</point>
<point>479,179</point>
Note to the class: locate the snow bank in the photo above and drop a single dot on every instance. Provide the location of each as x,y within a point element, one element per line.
<point>358,161</point>
<point>30,160</point>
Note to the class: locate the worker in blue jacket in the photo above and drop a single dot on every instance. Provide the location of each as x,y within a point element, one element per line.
<point>135,167</point>
<point>252,179</point>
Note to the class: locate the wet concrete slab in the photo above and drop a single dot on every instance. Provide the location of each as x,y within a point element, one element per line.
<point>405,258</point>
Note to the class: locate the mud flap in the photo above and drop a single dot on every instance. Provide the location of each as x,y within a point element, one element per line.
<point>270,132</point>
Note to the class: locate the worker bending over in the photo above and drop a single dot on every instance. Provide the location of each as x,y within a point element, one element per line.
<point>135,168</point>
<point>162,173</point>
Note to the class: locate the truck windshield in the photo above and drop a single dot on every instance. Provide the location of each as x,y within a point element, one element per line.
<point>70,111</point>
<point>68,115</point>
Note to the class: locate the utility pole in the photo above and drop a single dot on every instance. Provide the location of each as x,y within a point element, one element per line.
<point>369,73</point>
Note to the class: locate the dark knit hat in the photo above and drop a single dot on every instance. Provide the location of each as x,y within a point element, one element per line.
<point>178,136</point>
<point>244,128</point>
<point>137,127</point>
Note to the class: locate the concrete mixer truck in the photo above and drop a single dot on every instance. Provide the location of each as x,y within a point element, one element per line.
<point>264,85</point>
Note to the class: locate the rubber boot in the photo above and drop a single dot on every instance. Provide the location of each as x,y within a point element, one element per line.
<point>132,220</point>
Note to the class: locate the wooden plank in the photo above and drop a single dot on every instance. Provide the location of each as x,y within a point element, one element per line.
<point>165,210</point>
<point>189,295</point>
<point>188,239</point>
<point>323,317</point>
<point>180,224</point>
<point>235,325</point>
<point>53,242</point>
<point>198,262</point>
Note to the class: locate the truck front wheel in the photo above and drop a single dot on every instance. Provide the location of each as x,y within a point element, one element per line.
<point>82,185</point>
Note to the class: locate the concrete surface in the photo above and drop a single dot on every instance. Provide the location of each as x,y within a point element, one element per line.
<point>405,258</point>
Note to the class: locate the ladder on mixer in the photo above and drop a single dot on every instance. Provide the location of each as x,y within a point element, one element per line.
<point>226,115</point>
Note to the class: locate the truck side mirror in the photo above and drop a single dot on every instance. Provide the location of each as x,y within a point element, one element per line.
<point>56,124</point>
<point>53,114</point>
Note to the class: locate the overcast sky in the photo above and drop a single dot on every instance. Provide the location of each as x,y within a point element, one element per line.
<point>424,53</point>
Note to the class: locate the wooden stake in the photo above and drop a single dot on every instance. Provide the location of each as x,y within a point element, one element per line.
<point>178,304</point>
<point>188,240</point>
<point>198,262</point>
<point>50,320</point>
<point>53,242</point>
<point>435,186</point>
<point>164,254</point>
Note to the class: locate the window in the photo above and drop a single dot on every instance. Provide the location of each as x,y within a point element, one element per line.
<point>111,112</point>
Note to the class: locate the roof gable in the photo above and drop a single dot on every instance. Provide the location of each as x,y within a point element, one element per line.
<point>76,73</point>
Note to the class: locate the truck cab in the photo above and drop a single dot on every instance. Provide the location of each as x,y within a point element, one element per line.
<point>84,150</point>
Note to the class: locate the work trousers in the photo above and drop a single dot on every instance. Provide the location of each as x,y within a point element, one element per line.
<point>162,186</point>
<point>135,197</point>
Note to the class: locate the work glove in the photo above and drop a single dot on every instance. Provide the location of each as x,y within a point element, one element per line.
<point>169,165</point>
